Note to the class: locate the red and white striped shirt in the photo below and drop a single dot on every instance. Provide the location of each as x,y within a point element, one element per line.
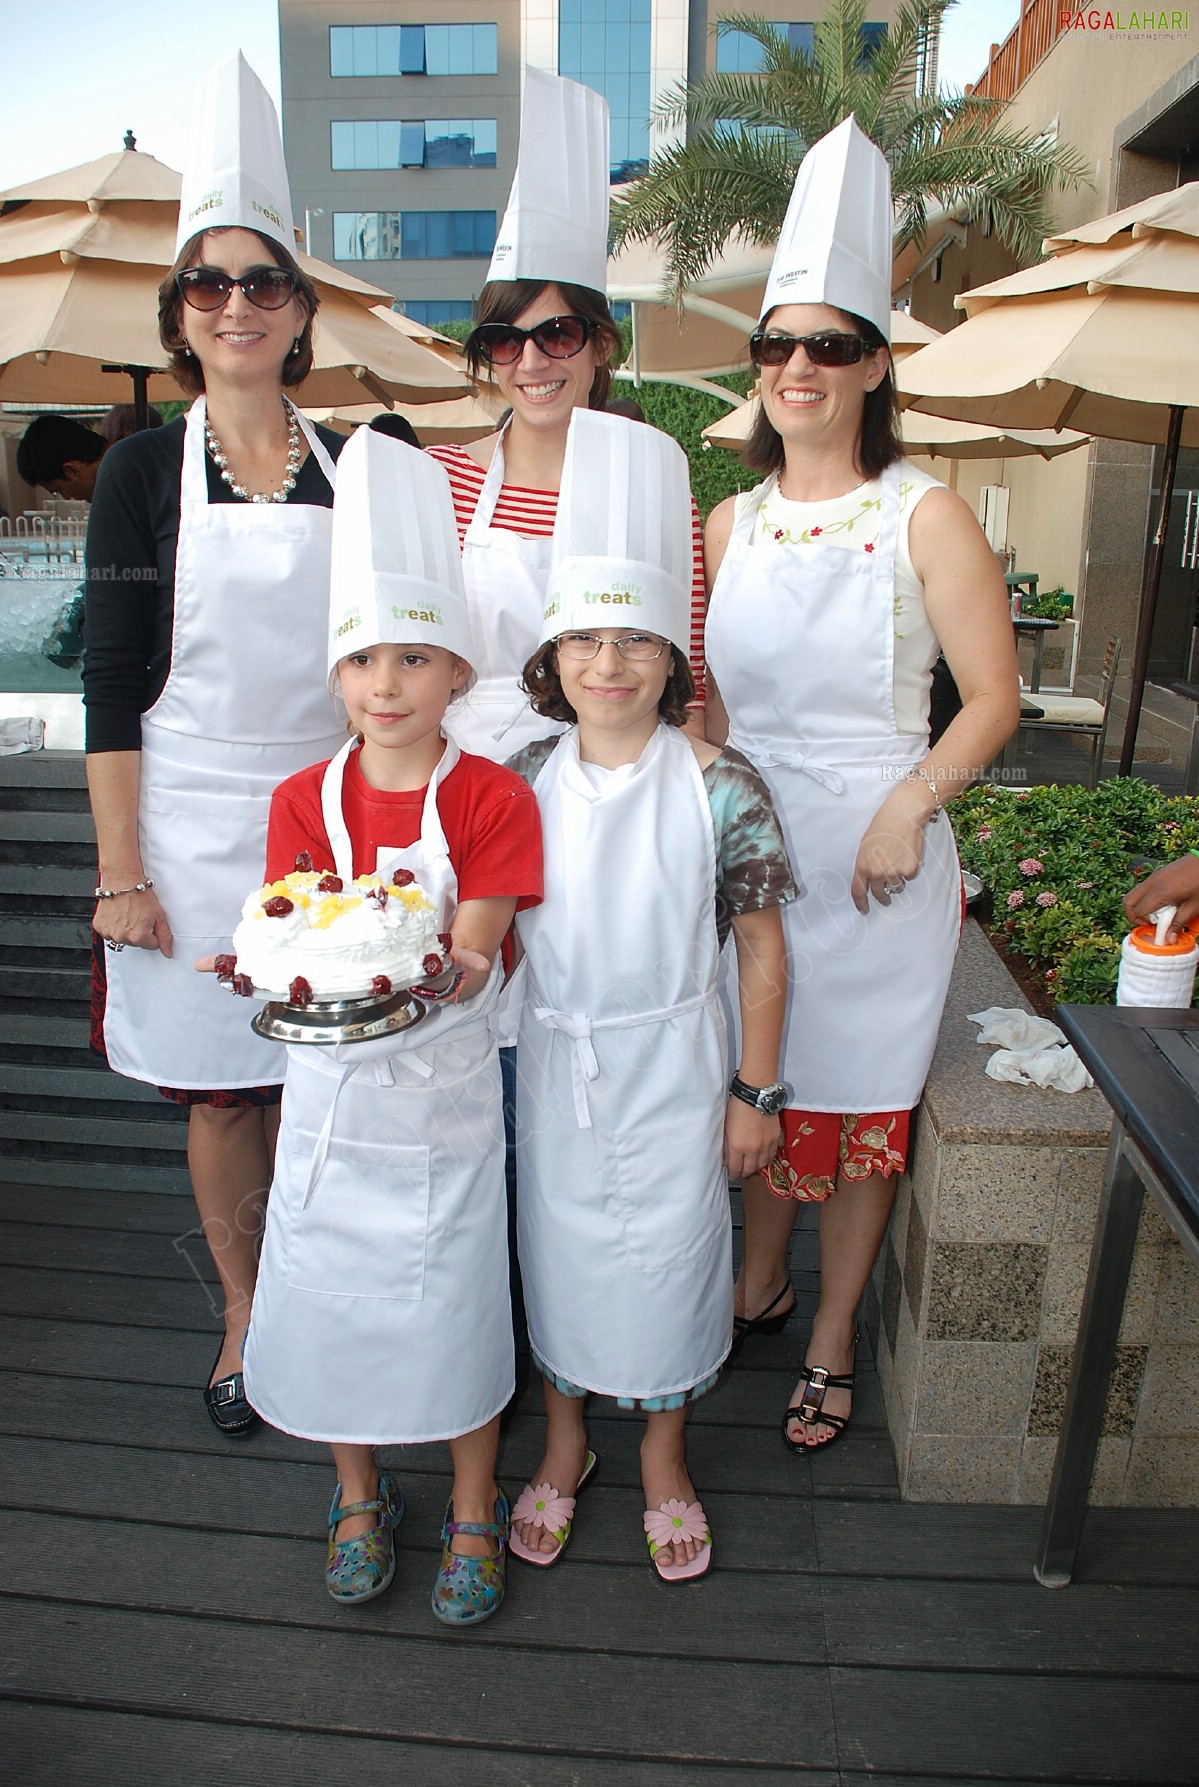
<point>531,513</point>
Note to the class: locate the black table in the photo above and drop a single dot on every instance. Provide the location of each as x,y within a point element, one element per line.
<point>1146,1064</point>
<point>1033,624</point>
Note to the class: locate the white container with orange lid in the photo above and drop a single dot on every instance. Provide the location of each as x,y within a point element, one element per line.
<point>1154,971</point>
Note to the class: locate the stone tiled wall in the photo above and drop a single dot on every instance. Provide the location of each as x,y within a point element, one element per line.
<point>975,1300</point>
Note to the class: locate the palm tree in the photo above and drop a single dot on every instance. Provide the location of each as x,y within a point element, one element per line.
<point>748,134</point>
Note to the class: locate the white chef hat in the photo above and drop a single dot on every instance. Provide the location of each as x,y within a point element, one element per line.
<point>622,551</point>
<point>397,569</point>
<point>234,172</point>
<point>835,244</point>
<point>556,224</point>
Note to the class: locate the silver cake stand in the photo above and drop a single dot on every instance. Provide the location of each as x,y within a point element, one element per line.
<point>341,1020</point>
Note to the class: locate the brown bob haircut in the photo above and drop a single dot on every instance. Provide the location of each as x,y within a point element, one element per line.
<point>187,369</point>
<point>542,684</point>
<point>503,300</point>
<point>880,442</point>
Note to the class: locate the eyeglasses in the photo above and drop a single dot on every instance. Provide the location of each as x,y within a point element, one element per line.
<point>559,337</point>
<point>829,348</point>
<point>267,288</point>
<point>640,647</point>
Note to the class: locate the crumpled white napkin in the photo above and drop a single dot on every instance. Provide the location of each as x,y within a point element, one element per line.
<point>1033,1052</point>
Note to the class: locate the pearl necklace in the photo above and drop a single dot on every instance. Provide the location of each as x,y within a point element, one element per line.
<point>294,453</point>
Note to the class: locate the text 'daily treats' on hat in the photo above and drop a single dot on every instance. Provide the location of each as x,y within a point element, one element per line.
<point>622,550</point>
<point>556,224</point>
<point>234,174</point>
<point>397,569</point>
<point>835,243</point>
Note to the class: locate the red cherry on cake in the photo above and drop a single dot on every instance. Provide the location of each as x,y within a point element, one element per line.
<point>304,863</point>
<point>299,992</point>
<point>432,966</point>
<point>445,940</point>
<point>402,878</point>
<point>226,967</point>
<point>277,907</point>
<point>380,986</point>
<point>377,895</point>
<point>243,984</point>
<point>330,884</point>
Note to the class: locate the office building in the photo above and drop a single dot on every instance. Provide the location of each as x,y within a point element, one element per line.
<point>401,117</point>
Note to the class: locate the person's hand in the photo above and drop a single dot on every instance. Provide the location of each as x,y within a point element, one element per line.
<point>134,921</point>
<point>751,1138</point>
<point>1174,884</point>
<point>892,847</point>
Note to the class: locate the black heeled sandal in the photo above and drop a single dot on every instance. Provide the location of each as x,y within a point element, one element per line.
<point>809,1410</point>
<point>765,1322</point>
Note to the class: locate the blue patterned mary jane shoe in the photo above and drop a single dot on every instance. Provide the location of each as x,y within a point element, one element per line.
<point>359,1569</point>
<point>470,1589</point>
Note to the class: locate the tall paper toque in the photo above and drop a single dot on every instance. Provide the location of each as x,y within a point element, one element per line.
<point>622,551</point>
<point>234,172</point>
<point>835,243</point>
<point>556,224</point>
<point>397,568</point>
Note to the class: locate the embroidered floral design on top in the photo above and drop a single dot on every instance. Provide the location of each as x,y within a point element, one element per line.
<point>868,1150</point>
<point>769,528</point>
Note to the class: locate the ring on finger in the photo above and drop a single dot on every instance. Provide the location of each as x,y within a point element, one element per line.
<point>116,948</point>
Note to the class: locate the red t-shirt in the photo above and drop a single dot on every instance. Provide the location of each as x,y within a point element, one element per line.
<point>488,814</point>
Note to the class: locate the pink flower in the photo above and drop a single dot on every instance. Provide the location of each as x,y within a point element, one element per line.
<point>1015,899</point>
<point>1024,794</point>
<point>675,1521</point>
<point>1030,866</point>
<point>1084,884</point>
<point>778,533</point>
<point>1169,825</point>
<point>816,532</point>
<point>983,833</point>
<point>869,546</point>
<point>543,1506</point>
<point>1046,899</point>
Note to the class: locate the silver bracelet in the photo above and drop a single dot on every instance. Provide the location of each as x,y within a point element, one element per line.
<point>114,893</point>
<point>922,775</point>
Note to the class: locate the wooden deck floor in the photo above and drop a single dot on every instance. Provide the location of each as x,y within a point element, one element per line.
<point>165,1619</point>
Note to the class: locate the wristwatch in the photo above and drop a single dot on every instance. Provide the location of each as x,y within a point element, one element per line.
<point>770,1100</point>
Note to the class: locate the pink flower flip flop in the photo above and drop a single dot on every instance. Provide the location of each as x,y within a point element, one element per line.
<point>542,1504</point>
<point>675,1520</point>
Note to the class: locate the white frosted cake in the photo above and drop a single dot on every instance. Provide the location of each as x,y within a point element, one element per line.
<point>311,938</point>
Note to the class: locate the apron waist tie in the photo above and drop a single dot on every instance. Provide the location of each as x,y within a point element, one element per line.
<point>769,754</point>
<point>584,1066</point>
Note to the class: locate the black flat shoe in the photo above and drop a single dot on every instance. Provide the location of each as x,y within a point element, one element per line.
<point>227,1407</point>
<point>764,1322</point>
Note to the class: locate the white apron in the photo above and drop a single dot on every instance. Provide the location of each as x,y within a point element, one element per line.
<point>506,577</point>
<point>623,1213</point>
<point>245,705</point>
<point>381,1314</point>
<point>801,647</point>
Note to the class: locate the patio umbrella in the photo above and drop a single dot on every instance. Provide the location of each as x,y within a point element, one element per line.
<point>81,257</point>
<point>1104,336</point>
<point>460,420</point>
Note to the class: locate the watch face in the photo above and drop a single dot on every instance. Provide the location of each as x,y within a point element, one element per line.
<point>772,1100</point>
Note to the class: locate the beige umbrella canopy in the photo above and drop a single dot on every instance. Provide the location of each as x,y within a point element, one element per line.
<point>81,257</point>
<point>1104,336</point>
<point>461,420</point>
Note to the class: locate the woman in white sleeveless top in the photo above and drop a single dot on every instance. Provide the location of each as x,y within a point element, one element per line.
<point>833,585</point>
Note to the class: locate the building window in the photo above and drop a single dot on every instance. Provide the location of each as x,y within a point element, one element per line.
<point>432,311</point>
<point>605,44</point>
<point>412,235</point>
<point>412,49</point>
<point>738,53</point>
<point>413,143</point>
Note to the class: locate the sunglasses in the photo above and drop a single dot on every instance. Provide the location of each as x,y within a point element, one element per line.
<point>829,348</point>
<point>267,288</point>
<point>559,338</point>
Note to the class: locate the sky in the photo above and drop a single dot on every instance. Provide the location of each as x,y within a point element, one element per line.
<point>74,86</point>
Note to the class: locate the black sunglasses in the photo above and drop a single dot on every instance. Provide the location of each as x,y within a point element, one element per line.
<point>559,337</point>
<point>828,348</point>
<point>267,288</point>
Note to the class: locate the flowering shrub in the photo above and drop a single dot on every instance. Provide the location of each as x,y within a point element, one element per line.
<point>1057,863</point>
